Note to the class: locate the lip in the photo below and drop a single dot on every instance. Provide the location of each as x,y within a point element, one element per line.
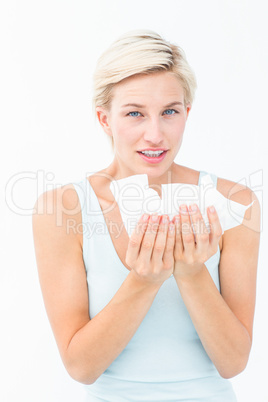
<point>153,159</point>
<point>152,149</point>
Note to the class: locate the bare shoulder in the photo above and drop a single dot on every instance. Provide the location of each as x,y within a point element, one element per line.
<point>60,208</point>
<point>64,197</point>
<point>243,195</point>
<point>235,191</point>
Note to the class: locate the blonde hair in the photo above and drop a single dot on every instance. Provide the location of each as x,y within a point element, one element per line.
<point>139,52</point>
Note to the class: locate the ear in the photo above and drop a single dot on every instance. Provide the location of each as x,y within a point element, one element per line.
<point>103,117</point>
<point>188,108</point>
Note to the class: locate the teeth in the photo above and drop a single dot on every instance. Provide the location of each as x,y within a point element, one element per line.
<point>152,153</point>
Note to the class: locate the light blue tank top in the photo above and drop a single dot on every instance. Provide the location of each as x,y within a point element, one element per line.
<point>165,359</point>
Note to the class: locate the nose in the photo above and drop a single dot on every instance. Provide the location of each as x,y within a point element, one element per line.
<point>153,133</point>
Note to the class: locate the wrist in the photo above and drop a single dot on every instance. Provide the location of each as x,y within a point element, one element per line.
<point>191,275</point>
<point>141,284</point>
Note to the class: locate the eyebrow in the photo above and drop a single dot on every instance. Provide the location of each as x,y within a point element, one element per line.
<point>142,106</point>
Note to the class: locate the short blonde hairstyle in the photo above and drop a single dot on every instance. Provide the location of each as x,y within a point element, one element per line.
<point>139,52</point>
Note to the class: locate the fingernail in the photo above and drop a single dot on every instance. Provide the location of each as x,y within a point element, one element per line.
<point>154,217</point>
<point>212,209</point>
<point>193,207</point>
<point>183,208</point>
<point>145,217</point>
<point>164,219</point>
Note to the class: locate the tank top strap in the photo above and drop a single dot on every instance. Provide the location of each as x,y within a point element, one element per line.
<point>83,191</point>
<point>214,178</point>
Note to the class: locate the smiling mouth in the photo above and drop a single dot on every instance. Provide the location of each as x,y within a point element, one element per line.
<point>152,157</point>
<point>152,154</point>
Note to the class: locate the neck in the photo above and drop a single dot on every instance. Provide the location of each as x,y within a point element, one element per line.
<point>119,172</point>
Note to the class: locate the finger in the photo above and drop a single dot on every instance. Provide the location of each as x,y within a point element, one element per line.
<point>178,249</point>
<point>199,228</point>
<point>149,238</point>
<point>186,231</point>
<point>168,256</point>
<point>215,228</point>
<point>135,239</point>
<point>161,237</point>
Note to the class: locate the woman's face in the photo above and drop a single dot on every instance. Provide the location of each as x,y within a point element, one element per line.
<point>147,113</point>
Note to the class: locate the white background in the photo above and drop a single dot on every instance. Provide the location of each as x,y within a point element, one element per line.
<point>49,138</point>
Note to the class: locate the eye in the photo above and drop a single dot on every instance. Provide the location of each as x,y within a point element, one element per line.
<point>133,113</point>
<point>171,110</point>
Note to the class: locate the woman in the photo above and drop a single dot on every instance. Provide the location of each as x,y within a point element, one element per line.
<point>150,316</point>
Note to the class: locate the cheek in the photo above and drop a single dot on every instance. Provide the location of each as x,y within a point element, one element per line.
<point>126,133</point>
<point>178,130</point>
<point>177,134</point>
<point>181,126</point>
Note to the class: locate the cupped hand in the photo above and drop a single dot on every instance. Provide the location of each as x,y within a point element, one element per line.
<point>150,249</point>
<point>194,243</point>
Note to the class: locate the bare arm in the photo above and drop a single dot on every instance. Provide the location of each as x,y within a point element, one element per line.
<point>88,347</point>
<point>224,320</point>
